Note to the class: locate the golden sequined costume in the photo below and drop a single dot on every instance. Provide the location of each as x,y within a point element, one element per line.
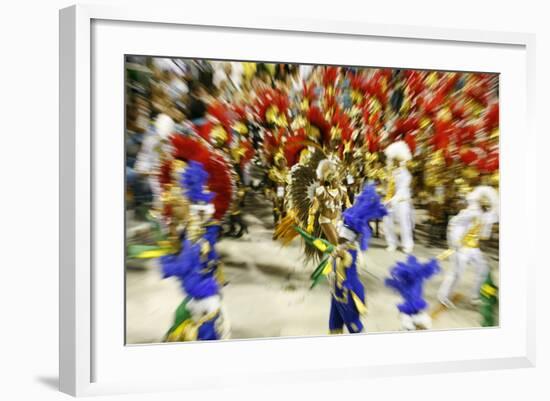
<point>328,200</point>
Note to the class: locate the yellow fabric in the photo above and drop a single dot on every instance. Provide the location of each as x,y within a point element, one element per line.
<point>391,189</point>
<point>155,253</point>
<point>361,307</point>
<point>219,275</point>
<point>328,268</point>
<point>186,331</point>
<point>488,290</point>
<point>471,239</point>
<point>320,245</point>
<point>205,248</point>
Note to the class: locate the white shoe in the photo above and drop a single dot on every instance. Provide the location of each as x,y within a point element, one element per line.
<point>476,301</point>
<point>446,302</point>
<point>407,322</point>
<point>391,248</point>
<point>408,250</point>
<point>422,321</point>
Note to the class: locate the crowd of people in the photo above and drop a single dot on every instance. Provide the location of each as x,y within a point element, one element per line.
<point>334,149</point>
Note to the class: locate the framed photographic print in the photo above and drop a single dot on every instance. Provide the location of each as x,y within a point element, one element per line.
<point>235,194</point>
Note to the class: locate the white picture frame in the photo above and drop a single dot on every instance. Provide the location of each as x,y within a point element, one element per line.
<point>83,344</point>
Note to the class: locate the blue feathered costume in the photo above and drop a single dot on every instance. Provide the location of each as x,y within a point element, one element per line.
<point>408,278</point>
<point>198,317</point>
<point>348,293</point>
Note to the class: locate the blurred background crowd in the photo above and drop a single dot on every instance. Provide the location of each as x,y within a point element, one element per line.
<point>448,119</point>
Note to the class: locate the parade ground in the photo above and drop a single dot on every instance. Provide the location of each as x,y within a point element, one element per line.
<point>267,292</point>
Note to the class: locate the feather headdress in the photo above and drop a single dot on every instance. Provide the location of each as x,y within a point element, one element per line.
<point>217,130</point>
<point>272,107</point>
<point>220,113</point>
<point>485,194</point>
<point>326,169</point>
<point>294,146</point>
<point>317,120</point>
<point>308,93</point>
<point>221,181</point>
<point>398,151</point>
<point>302,190</point>
<point>330,76</point>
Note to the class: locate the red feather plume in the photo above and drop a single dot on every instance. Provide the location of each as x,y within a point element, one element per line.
<point>329,77</point>
<point>308,92</point>
<point>293,146</point>
<point>221,113</point>
<point>492,117</point>
<point>248,154</point>
<point>317,119</point>
<point>490,163</point>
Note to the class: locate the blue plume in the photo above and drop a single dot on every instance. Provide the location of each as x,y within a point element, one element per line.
<point>193,181</point>
<point>407,278</point>
<point>366,207</point>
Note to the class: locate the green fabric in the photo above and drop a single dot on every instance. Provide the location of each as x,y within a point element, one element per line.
<point>182,314</point>
<point>317,275</point>
<point>138,251</point>
<point>311,240</point>
<point>489,302</point>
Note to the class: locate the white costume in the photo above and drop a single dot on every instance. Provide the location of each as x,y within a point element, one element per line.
<point>463,234</point>
<point>398,199</point>
<point>148,158</point>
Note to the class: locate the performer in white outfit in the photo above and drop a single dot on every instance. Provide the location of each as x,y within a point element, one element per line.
<point>148,160</point>
<point>463,234</point>
<point>398,198</point>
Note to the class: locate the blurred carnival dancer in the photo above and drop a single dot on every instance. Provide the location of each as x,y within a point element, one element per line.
<point>464,233</point>
<point>408,278</point>
<point>398,197</point>
<point>199,316</point>
<point>341,258</point>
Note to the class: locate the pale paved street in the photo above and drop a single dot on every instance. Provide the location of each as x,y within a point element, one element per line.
<point>268,292</point>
